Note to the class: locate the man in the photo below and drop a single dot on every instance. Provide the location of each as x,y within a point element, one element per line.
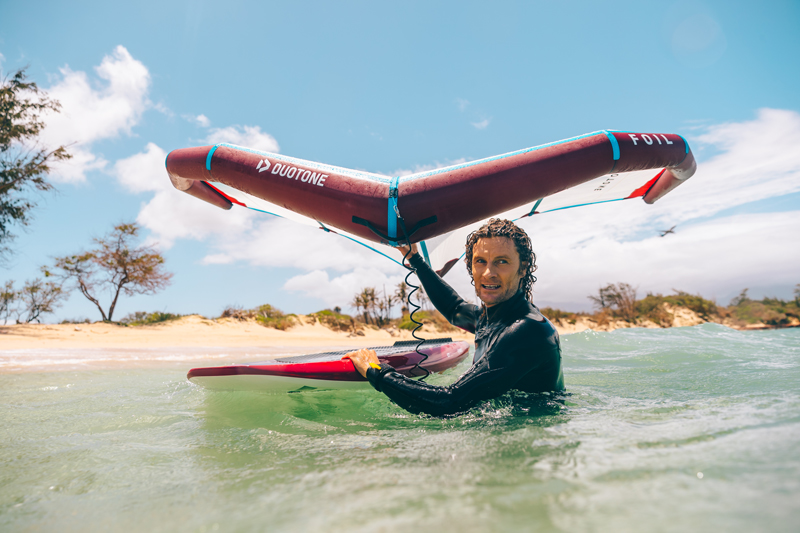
<point>516,347</point>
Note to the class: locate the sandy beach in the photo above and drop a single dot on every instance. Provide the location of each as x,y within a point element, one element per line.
<point>197,341</point>
<point>190,340</point>
<point>196,331</point>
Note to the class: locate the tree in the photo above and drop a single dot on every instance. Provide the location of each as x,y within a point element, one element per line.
<point>422,298</point>
<point>114,266</point>
<point>23,163</point>
<point>620,298</point>
<point>37,298</point>
<point>797,294</point>
<point>7,298</point>
<point>401,293</point>
<point>741,299</point>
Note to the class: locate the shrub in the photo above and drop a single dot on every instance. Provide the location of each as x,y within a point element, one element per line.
<point>142,318</point>
<point>266,315</point>
<point>558,314</point>
<point>704,308</point>
<point>335,320</point>
<point>434,318</point>
<point>651,307</point>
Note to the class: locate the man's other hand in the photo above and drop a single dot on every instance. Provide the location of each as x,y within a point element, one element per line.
<point>362,359</point>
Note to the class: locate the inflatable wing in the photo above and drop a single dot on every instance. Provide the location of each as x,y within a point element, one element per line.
<point>442,205</point>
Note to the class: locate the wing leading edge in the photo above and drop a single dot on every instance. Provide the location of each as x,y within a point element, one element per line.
<point>440,207</point>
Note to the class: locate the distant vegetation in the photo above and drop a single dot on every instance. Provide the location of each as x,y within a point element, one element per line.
<point>266,315</point>
<point>335,319</point>
<point>34,299</point>
<point>113,266</point>
<point>141,318</point>
<point>770,311</point>
<point>619,302</point>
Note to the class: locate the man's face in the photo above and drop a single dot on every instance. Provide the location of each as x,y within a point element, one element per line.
<point>495,269</point>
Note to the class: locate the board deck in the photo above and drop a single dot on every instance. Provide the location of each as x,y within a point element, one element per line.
<point>327,370</point>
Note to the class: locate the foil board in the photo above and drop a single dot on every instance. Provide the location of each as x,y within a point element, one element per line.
<point>327,370</point>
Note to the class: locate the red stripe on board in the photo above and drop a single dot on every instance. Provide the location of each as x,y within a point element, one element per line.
<point>230,198</point>
<point>641,191</point>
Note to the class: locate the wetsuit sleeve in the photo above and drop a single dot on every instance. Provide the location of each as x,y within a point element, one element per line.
<point>455,309</point>
<point>513,357</point>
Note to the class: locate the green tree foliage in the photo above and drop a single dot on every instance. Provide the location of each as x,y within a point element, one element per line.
<point>34,299</point>
<point>619,298</point>
<point>114,266</point>
<point>37,298</point>
<point>401,294</point>
<point>374,307</point>
<point>7,298</point>
<point>335,320</point>
<point>741,299</point>
<point>23,162</point>
<point>142,318</point>
<point>266,315</point>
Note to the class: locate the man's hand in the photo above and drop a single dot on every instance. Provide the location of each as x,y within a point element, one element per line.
<point>362,359</point>
<point>404,249</point>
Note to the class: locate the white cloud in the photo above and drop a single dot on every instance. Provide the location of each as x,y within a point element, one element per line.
<point>425,168</point>
<point>279,242</point>
<point>462,103</point>
<point>340,290</point>
<point>582,249</point>
<point>579,250</point>
<point>92,111</point>
<point>715,258</point>
<point>171,214</point>
<point>247,136</point>
<point>200,120</point>
<point>481,125</point>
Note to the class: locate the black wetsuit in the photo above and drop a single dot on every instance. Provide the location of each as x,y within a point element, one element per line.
<point>516,347</point>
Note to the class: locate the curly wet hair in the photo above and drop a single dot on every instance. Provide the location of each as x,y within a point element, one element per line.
<point>497,227</point>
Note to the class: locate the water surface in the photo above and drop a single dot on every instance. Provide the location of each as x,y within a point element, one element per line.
<point>685,429</point>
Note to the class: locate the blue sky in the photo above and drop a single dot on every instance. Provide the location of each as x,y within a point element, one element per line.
<point>397,87</point>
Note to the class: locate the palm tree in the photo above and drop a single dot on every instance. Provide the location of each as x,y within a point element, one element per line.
<point>401,293</point>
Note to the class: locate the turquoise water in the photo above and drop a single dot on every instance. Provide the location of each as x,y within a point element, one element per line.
<point>686,429</point>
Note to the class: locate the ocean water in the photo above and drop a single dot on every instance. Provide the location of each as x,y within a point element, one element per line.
<point>685,429</point>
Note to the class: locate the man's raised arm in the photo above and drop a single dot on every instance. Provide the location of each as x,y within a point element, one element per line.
<point>455,309</point>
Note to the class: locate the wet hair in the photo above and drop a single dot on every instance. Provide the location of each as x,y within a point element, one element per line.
<point>496,227</point>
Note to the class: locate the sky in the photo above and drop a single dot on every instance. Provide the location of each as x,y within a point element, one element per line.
<point>398,87</point>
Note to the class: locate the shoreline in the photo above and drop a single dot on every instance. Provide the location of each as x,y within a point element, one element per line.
<point>195,331</point>
<point>198,341</point>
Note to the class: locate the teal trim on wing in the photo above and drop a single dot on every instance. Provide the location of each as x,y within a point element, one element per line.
<point>533,209</point>
<point>581,205</point>
<point>266,212</point>
<point>392,212</point>
<point>313,164</point>
<point>367,246</point>
<point>425,252</point>
<point>614,144</point>
<point>686,144</point>
<point>495,158</point>
<point>208,157</point>
<point>322,226</point>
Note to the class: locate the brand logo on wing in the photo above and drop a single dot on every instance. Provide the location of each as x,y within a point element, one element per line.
<point>263,165</point>
<point>648,139</point>
<point>306,176</point>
